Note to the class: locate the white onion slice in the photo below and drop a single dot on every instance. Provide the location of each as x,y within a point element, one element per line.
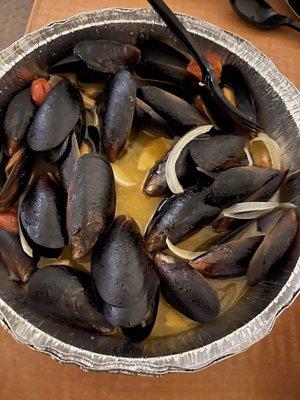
<point>250,209</point>
<point>171,176</point>
<point>249,158</point>
<point>272,147</point>
<point>186,254</point>
<point>25,246</point>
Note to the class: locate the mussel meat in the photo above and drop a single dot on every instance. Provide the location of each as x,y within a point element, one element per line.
<point>186,289</point>
<point>42,216</point>
<point>19,265</point>
<point>67,293</point>
<point>91,202</point>
<point>118,115</point>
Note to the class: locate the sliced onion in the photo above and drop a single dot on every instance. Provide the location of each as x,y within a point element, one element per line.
<point>120,179</point>
<point>25,246</point>
<point>92,117</point>
<point>55,79</point>
<point>88,102</point>
<point>250,209</point>
<point>185,254</point>
<point>272,148</point>
<point>249,158</point>
<point>171,176</point>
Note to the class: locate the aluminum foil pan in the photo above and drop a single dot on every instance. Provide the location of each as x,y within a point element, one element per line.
<point>252,318</point>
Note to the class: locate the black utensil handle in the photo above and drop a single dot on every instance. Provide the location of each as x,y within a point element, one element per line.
<point>183,35</point>
<point>293,24</point>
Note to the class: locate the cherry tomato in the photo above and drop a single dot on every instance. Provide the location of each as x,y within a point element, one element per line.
<point>39,90</point>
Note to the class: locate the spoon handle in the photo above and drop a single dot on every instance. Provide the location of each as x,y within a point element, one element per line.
<point>292,24</point>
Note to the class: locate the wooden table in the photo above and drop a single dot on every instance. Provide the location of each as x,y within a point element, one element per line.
<point>268,370</point>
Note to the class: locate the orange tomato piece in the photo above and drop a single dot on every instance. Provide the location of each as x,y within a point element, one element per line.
<point>39,90</point>
<point>9,220</point>
<point>194,69</point>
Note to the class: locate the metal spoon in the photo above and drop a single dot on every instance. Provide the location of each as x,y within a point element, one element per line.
<point>261,14</point>
<point>223,114</point>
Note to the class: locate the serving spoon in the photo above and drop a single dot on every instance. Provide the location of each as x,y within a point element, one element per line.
<point>261,14</point>
<point>222,113</point>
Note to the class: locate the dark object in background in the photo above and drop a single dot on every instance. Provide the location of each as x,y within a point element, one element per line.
<point>261,14</point>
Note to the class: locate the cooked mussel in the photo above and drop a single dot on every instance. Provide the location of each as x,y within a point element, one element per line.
<point>107,56</point>
<point>42,216</point>
<point>67,293</point>
<point>19,174</point>
<point>279,235</point>
<point>181,115</point>
<point>118,115</point>
<point>237,184</point>
<point>178,216</point>
<point>124,275</point>
<point>229,259</point>
<point>91,202</point>
<point>66,164</point>
<point>54,155</point>
<point>18,117</point>
<point>19,265</point>
<point>55,118</point>
<point>186,289</point>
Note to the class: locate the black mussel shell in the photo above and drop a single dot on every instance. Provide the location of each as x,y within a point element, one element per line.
<point>227,260</point>
<point>55,118</point>
<point>17,179</point>
<point>67,163</point>
<point>186,289</point>
<point>91,202</point>
<point>66,293</point>
<point>181,115</point>
<point>178,217</point>
<point>163,62</point>
<point>107,56</point>
<point>55,154</point>
<point>218,151</point>
<point>18,117</point>
<point>233,78</point>
<point>143,329</point>
<point>148,120</point>
<point>42,216</point>
<point>121,269</point>
<point>237,184</point>
<point>275,244</point>
<point>265,192</point>
<point>120,97</point>
<point>17,262</point>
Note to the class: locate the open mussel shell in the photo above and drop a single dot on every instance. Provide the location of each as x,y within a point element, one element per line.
<point>107,56</point>
<point>162,62</point>
<point>18,117</point>
<point>276,242</point>
<point>179,216</point>
<point>181,115</point>
<point>238,184</point>
<point>42,216</point>
<point>67,293</point>
<point>120,97</point>
<point>18,178</point>
<point>234,79</point>
<point>218,150</point>
<point>227,260</point>
<point>19,265</point>
<point>55,118</point>
<point>123,274</point>
<point>186,289</point>
<point>91,202</point>
<point>143,329</point>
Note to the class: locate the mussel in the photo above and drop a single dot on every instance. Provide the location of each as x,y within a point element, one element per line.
<point>67,293</point>
<point>19,265</point>
<point>124,275</point>
<point>55,118</point>
<point>66,164</point>
<point>229,259</point>
<point>21,168</point>
<point>54,155</point>
<point>42,216</point>
<point>118,115</point>
<point>178,216</point>
<point>280,232</point>
<point>186,289</point>
<point>107,56</point>
<point>18,117</point>
<point>181,115</point>
<point>91,202</point>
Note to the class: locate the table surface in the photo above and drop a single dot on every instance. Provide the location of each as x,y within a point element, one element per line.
<point>268,370</point>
